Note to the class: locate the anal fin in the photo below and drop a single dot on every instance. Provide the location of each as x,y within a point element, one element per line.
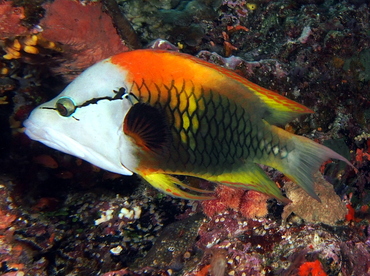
<point>251,177</point>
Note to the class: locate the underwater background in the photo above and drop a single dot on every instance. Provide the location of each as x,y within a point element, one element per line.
<point>62,216</point>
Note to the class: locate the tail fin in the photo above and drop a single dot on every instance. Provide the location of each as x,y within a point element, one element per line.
<point>304,160</point>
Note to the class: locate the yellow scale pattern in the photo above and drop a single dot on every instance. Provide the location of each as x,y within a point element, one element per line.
<point>209,132</point>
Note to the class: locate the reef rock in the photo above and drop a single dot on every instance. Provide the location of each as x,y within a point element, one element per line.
<point>330,210</point>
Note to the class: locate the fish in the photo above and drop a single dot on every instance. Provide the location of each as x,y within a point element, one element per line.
<point>164,115</point>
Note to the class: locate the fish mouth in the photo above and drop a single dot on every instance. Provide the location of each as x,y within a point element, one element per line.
<point>57,140</point>
<point>53,139</point>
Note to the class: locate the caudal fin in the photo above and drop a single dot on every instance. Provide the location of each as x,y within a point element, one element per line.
<point>304,160</point>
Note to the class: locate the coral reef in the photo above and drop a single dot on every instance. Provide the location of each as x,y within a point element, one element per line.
<point>263,246</point>
<point>88,34</point>
<point>118,231</point>
<point>11,18</point>
<point>330,210</point>
<point>62,216</point>
<point>68,38</point>
<point>174,248</point>
<point>250,204</point>
<point>181,22</point>
<point>311,268</point>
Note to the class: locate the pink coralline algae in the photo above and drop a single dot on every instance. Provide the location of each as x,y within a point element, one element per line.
<point>70,37</point>
<point>15,254</point>
<point>246,68</point>
<point>257,246</point>
<point>87,33</point>
<point>240,7</point>
<point>10,20</point>
<point>223,249</point>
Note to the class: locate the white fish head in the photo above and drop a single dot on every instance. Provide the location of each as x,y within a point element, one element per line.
<point>86,119</point>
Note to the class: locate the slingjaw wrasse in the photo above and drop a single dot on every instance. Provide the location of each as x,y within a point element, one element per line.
<point>160,114</point>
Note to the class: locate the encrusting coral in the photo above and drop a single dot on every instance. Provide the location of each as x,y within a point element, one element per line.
<point>250,204</point>
<point>69,37</point>
<point>87,33</point>
<point>311,269</point>
<point>10,19</point>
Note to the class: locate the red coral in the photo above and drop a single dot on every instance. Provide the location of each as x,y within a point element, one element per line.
<point>361,155</point>
<point>250,204</point>
<point>71,36</point>
<point>203,271</point>
<point>87,33</point>
<point>253,204</point>
<point>311,269</point>
<point>10,20</point>
<point>121,272</point>
<point>351,213</point>
<point>226,198</point>
<point>6,219</point>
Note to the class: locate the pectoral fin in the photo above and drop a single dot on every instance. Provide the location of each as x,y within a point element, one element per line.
<point>147,126</point>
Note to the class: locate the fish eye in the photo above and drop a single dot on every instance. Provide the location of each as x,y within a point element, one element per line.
<point>65,106</point>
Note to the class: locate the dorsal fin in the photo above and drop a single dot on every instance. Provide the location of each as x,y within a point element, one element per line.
<point>276,108</point>
<point>147,126</point>
<point>280,110</point>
